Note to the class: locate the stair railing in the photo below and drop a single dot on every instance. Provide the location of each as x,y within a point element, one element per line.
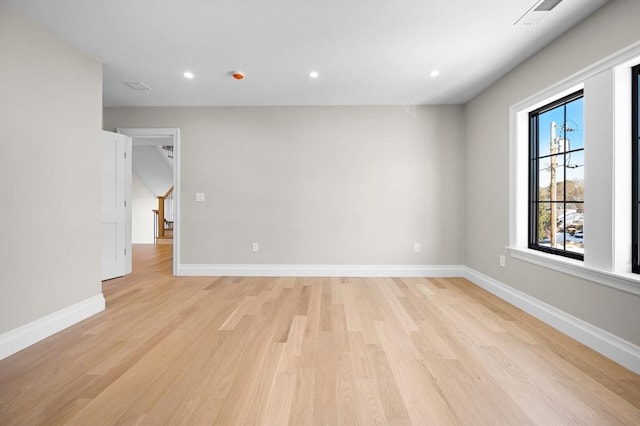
<point>155,226</point>
<point>164,214</point>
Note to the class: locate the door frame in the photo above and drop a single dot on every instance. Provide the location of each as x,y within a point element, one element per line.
<point>174,133</point>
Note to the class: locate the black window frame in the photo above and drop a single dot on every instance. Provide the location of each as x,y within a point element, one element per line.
<point>534,158</point>
<point>635,173</point>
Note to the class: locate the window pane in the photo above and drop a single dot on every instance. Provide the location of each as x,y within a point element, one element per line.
<point>549,124</point>
<point>544,224</point>
<point>556,162</point>
<point>556,236</point>
<point>544,179</point>
<point>560,172</point>
<point>574,229</point>
<point>575,176</point>
<point>573,128</point>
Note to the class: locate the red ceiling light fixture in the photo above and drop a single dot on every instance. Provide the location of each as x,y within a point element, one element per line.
<point>238,75</point>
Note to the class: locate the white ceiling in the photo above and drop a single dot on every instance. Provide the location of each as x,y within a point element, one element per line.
<point>368,52</point>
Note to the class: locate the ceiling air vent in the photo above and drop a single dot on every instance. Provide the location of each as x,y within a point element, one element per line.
<point>537,12</point>
<point>546,5</point>
<point>136,85</point>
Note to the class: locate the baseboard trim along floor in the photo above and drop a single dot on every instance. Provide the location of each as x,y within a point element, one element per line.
<point>619,350</point>
<point>26,335</point>
<point>267,270</point>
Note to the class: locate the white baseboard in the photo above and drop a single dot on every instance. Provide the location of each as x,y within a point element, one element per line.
<point>19,338</point>
<point>619,350</point>
<point>320,270</point>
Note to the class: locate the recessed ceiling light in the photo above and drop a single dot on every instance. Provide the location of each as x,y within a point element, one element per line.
<point>434,73</point>
<point>188,75</point>
<point>314,74</point>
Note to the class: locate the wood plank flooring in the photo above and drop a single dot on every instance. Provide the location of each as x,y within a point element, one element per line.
<point>309,351</point>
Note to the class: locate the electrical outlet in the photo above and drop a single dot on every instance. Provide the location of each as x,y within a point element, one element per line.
<point>200,197</point>
<point>416,247</point>
<point>255,247</point>
<point>503,262</point>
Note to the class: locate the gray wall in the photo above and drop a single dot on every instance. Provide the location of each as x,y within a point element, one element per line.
<point>316,185</point>
<point>486,163</point>
<point>50,121</point>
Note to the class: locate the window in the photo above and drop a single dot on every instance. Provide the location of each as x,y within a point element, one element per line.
<point>556,177</point>
<point>593,146</point>
<point>635,183</point>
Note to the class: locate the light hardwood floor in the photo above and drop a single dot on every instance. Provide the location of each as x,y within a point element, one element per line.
<point>309,351</point>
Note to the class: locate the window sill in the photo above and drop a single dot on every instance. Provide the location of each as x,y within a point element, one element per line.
<point>626,282</point>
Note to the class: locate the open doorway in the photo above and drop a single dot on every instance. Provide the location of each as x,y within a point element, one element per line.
<point>155,188</point>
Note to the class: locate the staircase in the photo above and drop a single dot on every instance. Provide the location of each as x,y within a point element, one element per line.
<point>163,216</point>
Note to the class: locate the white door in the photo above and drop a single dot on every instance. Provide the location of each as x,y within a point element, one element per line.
<point>115,256</point>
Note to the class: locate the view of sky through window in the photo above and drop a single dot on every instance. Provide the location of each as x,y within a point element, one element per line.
<point>558,159</point>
